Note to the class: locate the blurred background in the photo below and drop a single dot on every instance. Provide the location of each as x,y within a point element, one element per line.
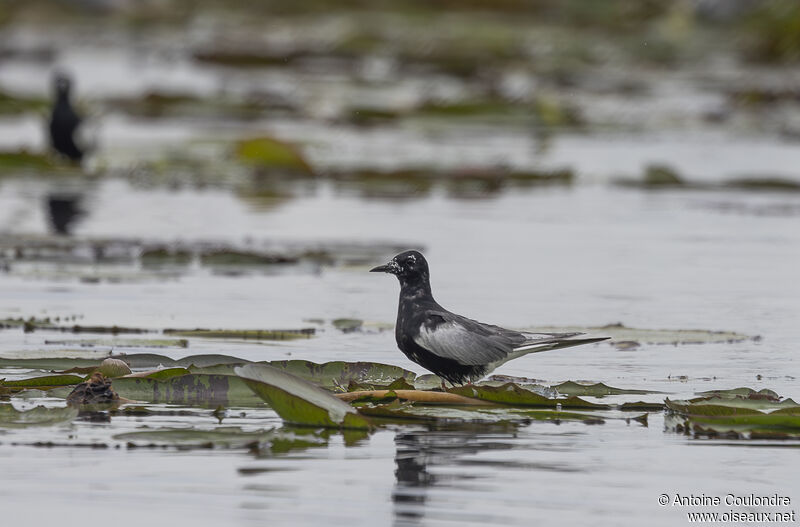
<point>242,164</point>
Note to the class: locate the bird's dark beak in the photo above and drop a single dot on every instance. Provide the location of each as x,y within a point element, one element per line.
<point>390,267</point>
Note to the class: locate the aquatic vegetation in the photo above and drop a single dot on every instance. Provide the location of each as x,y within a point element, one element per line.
<point>191,389</point>
<point>595,390</point>
<point>299,402</point>
<point>737,413</point>
<point>631,338</point>
<point>16,104</point>
<point>25,160</point>
<point>270,154</point>
<point>10,417</point>
<point>514,395</point>
<point>42,383</point>
<point>249,334</point>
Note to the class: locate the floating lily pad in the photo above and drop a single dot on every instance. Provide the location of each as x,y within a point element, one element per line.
<point>121,343</point>
<point>737,413</point>
<point>224,257</point>
<point>341,374</point>
<point>594,390</point>
<point>60,364</point>
<point>42,383</point>
<point>269,153</point>
<point>248,334</point>
<point>192,389</point>
<point>621,333</point>
<point>398,384</point>
<point>743,392</point>
<point>22,159</point>
<point>348,325</point>
<point>161,375</point>
<point>514,395</point>
<point>641,406</point>
<point>10,417</point>
<point>299,402</point>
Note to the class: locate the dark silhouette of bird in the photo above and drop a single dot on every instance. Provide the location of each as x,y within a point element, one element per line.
<point>456,348</point>
<point>64,121</point>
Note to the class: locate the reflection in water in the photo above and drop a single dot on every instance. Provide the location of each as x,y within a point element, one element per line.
<point>64,210</point>
<point>441,445</point>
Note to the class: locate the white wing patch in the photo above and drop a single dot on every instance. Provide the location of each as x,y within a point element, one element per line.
<point>453,341</point>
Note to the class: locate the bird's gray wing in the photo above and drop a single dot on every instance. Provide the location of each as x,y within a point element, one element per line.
<point>465,341</point>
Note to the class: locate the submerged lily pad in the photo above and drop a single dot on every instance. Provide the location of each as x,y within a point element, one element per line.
<point>220,437</point>
<point>10,417</point>
<point>299,402</point>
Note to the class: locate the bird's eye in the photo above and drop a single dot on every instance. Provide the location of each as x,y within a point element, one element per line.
<point>411,260</point>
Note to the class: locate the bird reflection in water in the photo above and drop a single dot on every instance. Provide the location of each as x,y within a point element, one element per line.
<point>438,446</point>
<point>64,210</point>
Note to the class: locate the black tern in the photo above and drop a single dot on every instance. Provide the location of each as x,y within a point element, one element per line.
<point>456,348</point>
<point>64,121</point>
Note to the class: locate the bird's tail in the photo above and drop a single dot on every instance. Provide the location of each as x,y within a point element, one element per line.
<point>557,341</point>
<point>545,342</point>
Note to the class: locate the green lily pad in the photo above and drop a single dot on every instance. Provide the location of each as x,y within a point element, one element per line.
<point>22,159</point>
<point>594,390</point>
<point>42,383</point>
<point>743,392</point>
<point>60,364</point>
<point>266,152</point>
<point>299,402</point>
<point>163,375</point>
<point>192,389</point>
<point>10,417</point>
<point>741,413</point>
<point>397,384</point>
<point>512,394</point>
<point>726,406</point>
<point>341,374</point>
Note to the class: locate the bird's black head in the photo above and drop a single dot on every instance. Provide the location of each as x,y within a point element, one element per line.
<point>62,84</point>
<point>410,267</point>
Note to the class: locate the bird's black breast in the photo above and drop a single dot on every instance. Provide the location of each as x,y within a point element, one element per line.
<point>411,318</point>
<point>63,124</point>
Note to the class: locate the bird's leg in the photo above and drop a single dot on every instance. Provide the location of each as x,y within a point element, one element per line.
<point>444,387</point>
